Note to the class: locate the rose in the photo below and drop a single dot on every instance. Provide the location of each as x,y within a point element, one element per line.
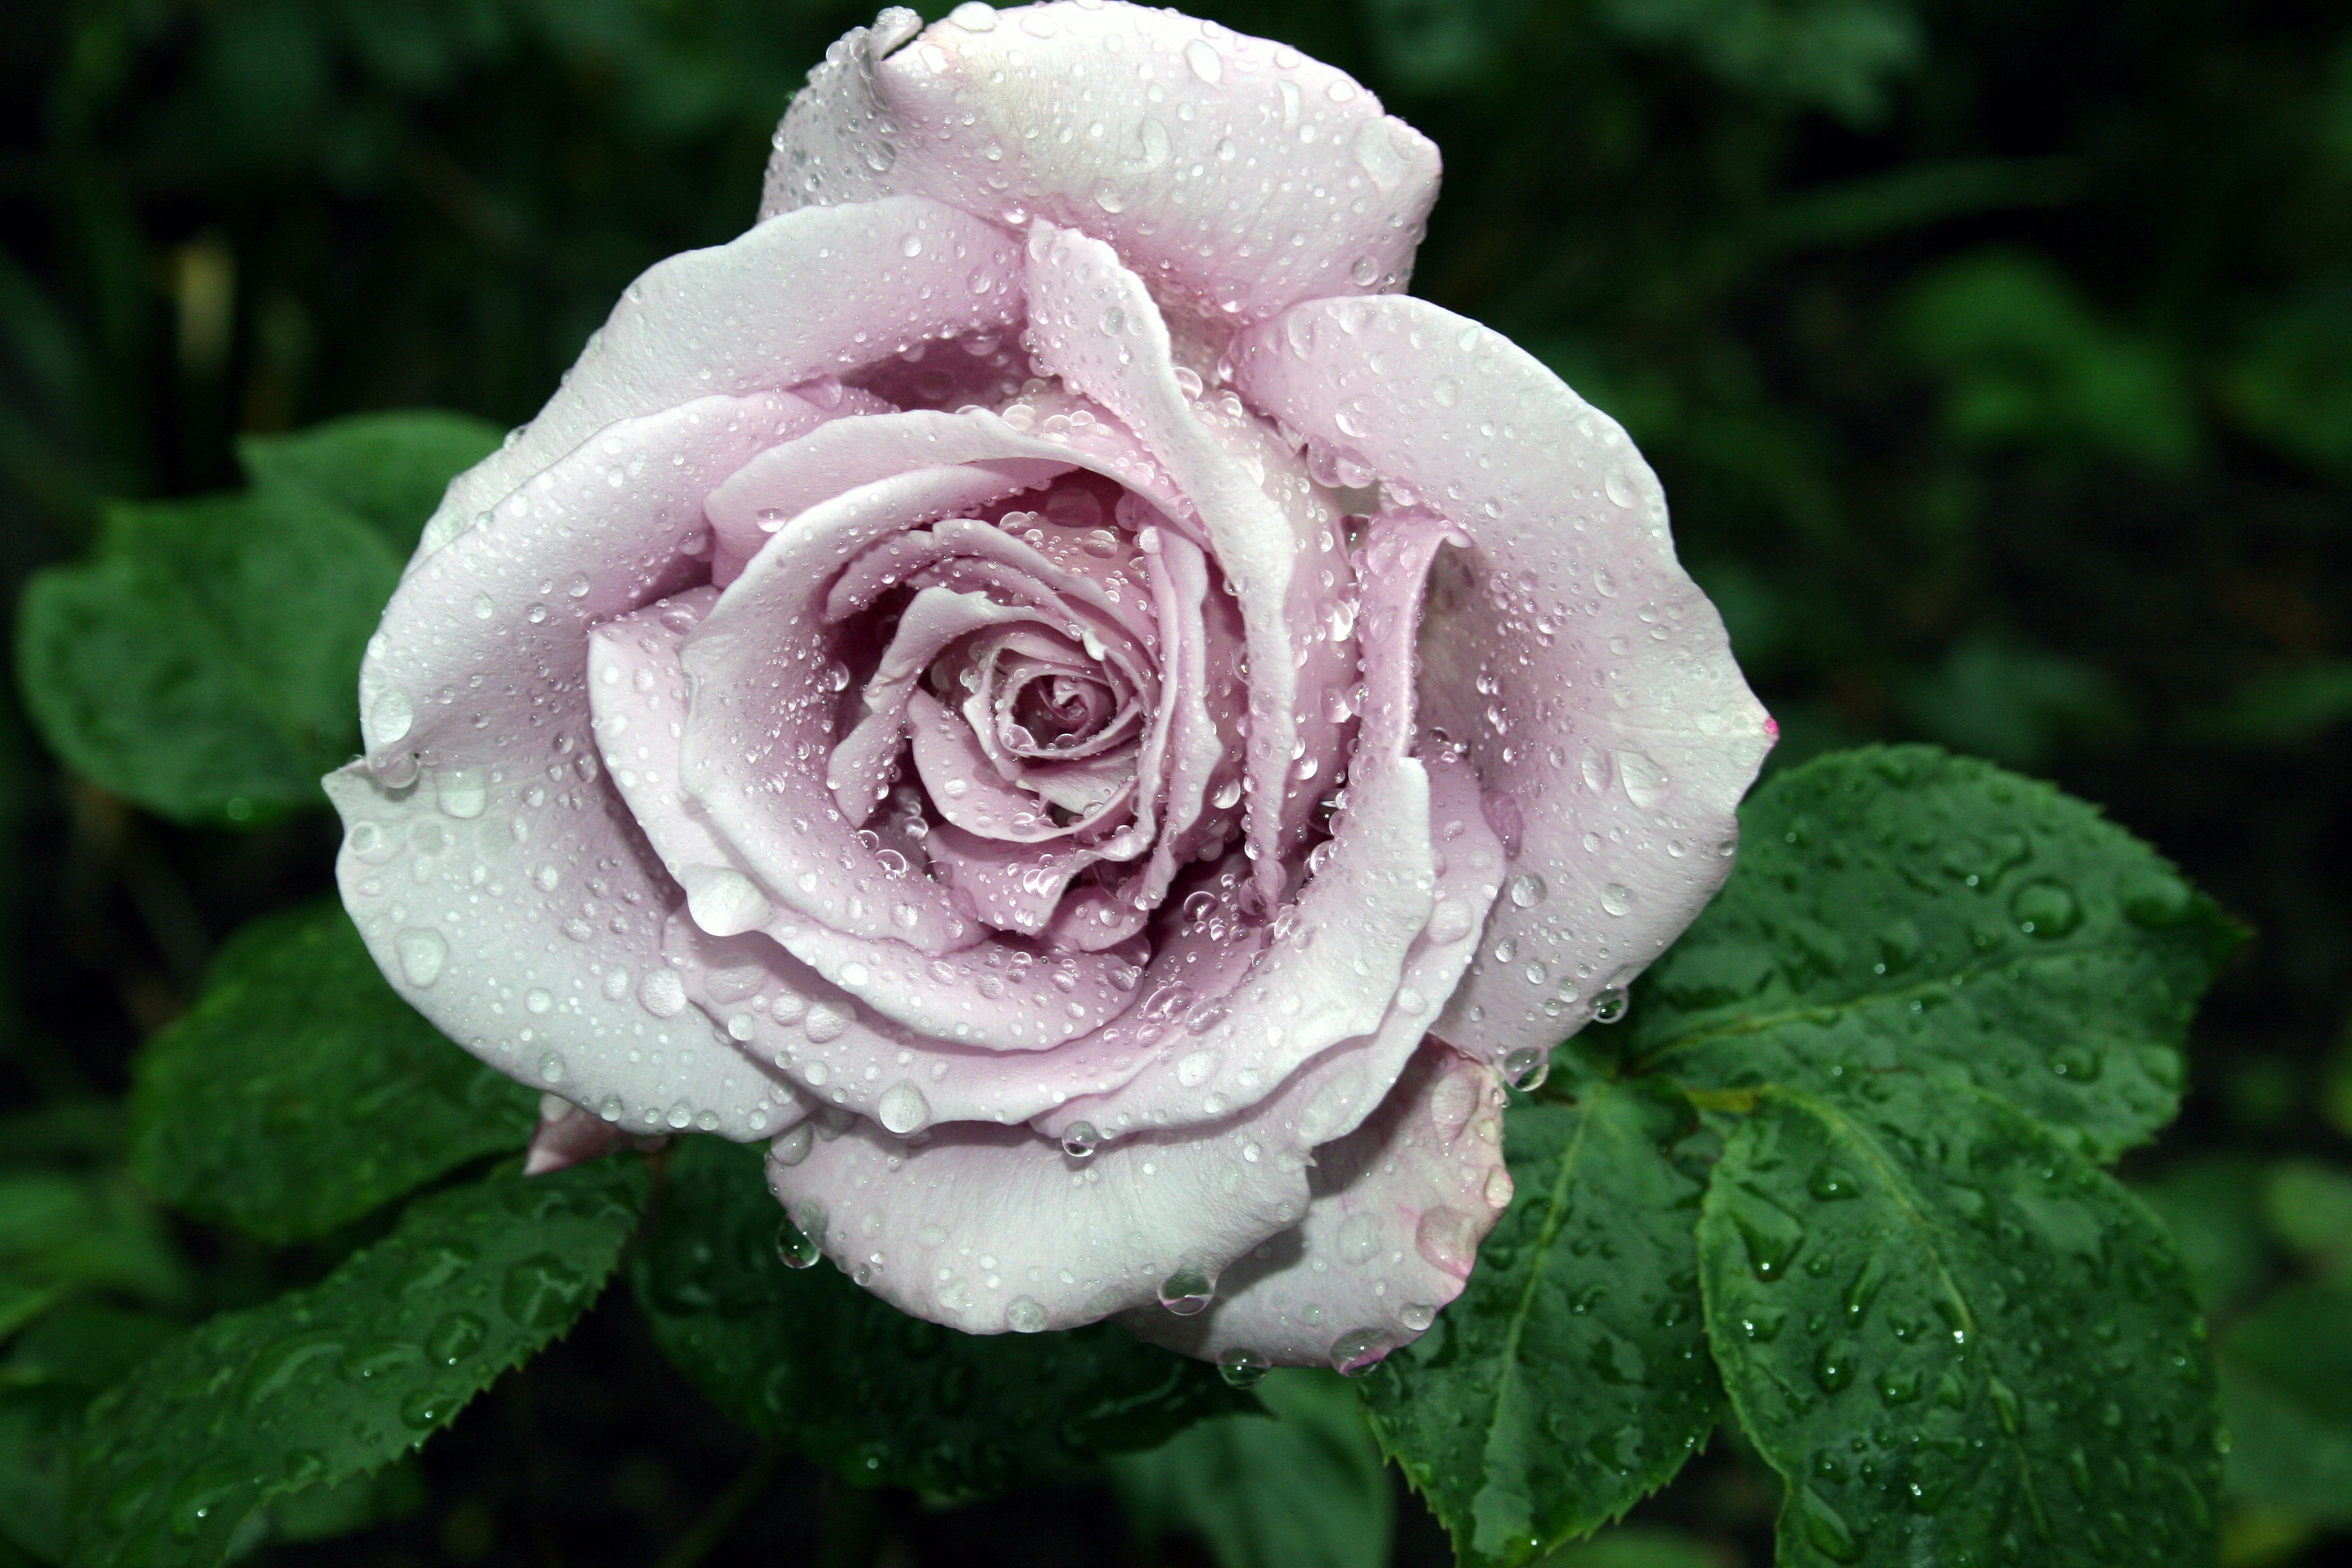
<point>1037,681</point>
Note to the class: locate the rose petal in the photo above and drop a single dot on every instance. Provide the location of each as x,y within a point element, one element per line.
<point>487,860</point>
<point>1344,950</point>
<point>1219,150</point>
<point>1395,1213</point>
<point>849,453</point>
<point>857,772</point>
<point>764,311</point>
<point>1627,735</point>
<point>968,791</point>
<point>989,1228</point>
<point>978,995</point>
<point>1275,533</point>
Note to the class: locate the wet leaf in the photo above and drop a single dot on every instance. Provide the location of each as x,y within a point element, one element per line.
<point>807,1358</point>
<point>1570,1379</point>
<point>301,1092</point>
<point>336,1381</point>
<point>1970,1346</point>
<point>1898,906</point>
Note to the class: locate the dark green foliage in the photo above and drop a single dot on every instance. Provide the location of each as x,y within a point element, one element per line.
<point>1955,1340</point>
<point>1897,907</point>
<point>302,1092</point>
<point>204,662</point>
<point>1299,1486</point>
<point>810,1359</point>
<point>388,469</point>
<point>1571,1378</point>
<point>336,1381</point>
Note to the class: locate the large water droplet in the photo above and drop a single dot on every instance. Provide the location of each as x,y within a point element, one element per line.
<point>974,16</point>
<point>1359,1241</point>
<point>392,716</point>
<point>1243,1368</point>
<point>723,900</point>
<point>1187,1291</point>
<point>1080,1140</point>
<point>902,1109</point>
<point>543,1293</point>
<point>1206,63</point>
<point>1023,1315</point>
<point>1527,890</point>
<point>456,1337</point>
<point>1527,1069</point>
<point>1356,1352</point>
<point>421,953</point>
<point>793,1248</point>
<point>462,792</point>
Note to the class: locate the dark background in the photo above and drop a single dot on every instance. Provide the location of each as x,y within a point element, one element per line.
<point>1996,354</point>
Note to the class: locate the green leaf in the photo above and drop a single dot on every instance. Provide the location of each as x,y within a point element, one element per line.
<point>1306,1490</point>
<point>62,1231</point>
<point>1637,1548</point>
<point>339,1379</point>
<point>204,661</point>
<point>387,468</point>
<point>809,1359</point>
<point>50,1374</point>
<point>1957,1340</point>
<point>1896,906</point>
<point>300,1092</point>
<point>1570,1379</point>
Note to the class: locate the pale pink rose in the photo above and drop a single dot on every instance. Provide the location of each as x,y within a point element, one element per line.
<point>1038,682</point>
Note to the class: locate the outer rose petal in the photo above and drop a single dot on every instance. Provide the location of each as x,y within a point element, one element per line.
<point>496,874</point>
<point>1395,1213</point>
<point>765,311</point>
<point>1628,735</point>
<point>1218,150</point>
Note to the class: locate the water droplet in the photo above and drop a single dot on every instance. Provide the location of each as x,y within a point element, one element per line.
<point>2044,908</point>
<point>792,1146</point>
<point>543,1293</point>
<point>456,1337</point>
<point>462,792</point>
<point>1187,1291</point>
<point>1416,1316</point>
<point>1499,1187</point>
<point>428,1408</point>
<point>392,715</point>
<point>793,1248</point>
<point>1645,783</point>
<point>1527,890</point>
<point>1206,63</point>
<point>1240,1368</point>
<point>421,953</point>
<point>1619,484</point>
<point>1359,1241</point>
<point>1022,1315</point>
<point>1080,1140</point>
<point>1378,155</point>
<point>902,1109</point>
<point>723,900</point>
<point>1830,1181</point>
<point>662,994</point>
<point>1356,1352</point>
<point>1617,898</point>
<point>974,16</point>
<point>1527,1069</point>
<point>1444,393</point>
<point>1773,1238</point>
<point>1609,1004</point>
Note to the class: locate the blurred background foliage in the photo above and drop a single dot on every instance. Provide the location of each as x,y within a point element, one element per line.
<point>1997,356</point>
